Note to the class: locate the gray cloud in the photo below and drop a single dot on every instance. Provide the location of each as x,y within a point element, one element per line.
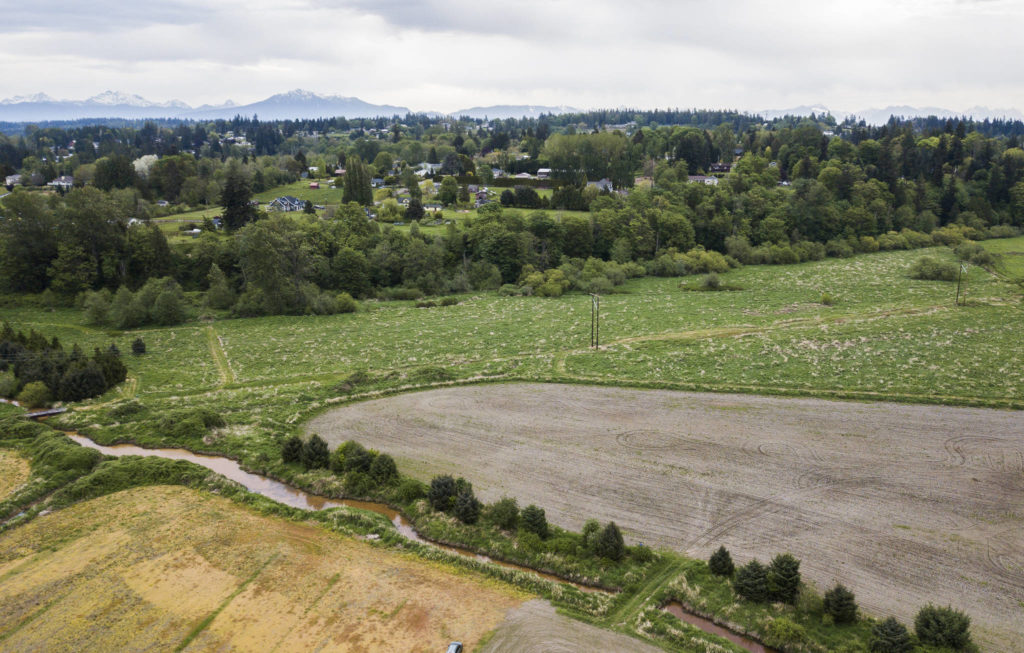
<point>445,54</point>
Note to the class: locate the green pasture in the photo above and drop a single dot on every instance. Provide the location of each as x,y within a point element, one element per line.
<point>884,334</point>
<point>1010,255</point>
<point>300,189</point>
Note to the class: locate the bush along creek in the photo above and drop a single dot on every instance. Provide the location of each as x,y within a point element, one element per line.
<point>685,604</point>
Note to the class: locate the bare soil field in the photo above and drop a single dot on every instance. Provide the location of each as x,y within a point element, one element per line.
<point>903,504</point>
<point>14,471</point>
<point>167,568</point>
<point>536,626</point>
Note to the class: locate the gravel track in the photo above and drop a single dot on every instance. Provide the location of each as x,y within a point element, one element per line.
<point>535,627</point>
<point>904,504</point>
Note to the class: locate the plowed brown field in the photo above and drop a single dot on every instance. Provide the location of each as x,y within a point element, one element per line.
<point>903,504</point>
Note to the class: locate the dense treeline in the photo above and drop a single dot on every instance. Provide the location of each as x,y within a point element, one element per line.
<point>790,194</point>
<point>37,371</point>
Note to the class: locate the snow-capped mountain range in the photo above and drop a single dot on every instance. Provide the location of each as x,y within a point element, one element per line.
<point>299,104</point>
<point>112,104</point>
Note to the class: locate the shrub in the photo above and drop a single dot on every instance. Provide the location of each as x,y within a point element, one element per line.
<point>943,627</point>
<point>138,347</point>
<point>441,493</point>
<point>783,633</point>
<point>533,520</point>
<point>467,507</point>
<point>591,532</point>
<point>187,428</point>
<point>610,544</point>
<point>34,395</point>
<point>504,514</point>
<point>711,282</point>
<point>211,418</point>
<point>839,603</point>
<point>928,268</point>
<point>127,409</point>
<point>751,582</point>
<point>827,299</point>
<point>315,454</point>
<point>641,553</point>
<point>167,308</point>
<point>410,490</point>
<point>352,457</point>
<point>721,563</point>
<point>783,578</point>
<point>890,636</point>
<point>358,484</point>
<point>975,254</point>
<point>291,451</point>
<point>383,469</point>
<point>8,384</point>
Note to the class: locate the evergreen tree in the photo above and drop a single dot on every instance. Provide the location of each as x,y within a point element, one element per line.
<point>533,520</point>
<point>383,469</point>
<point>138,346</point>
<point>721,563</point>
<point>356,187</point>
<point>219,295</point>
<point>82,381</point>
<point>109,362</point>
<point>414,211</point>
<point>751,582</point>
<point>783,578</point>
<point>610,544</point>
<point>315,454</point>
<point>441,493</point>
<point>291,452</point>
<point>890,636</point>
<point>467,508</point>
<point>839,602</point>
<point>943,627</point>
<point>236,197</point>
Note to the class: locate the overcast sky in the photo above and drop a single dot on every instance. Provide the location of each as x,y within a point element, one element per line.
<point>450,54</point>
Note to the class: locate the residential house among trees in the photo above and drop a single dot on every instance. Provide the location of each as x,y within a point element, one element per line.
<point>286,204</point>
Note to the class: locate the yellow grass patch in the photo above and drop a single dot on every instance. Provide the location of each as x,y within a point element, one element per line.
<point>14,471</point>
<point>142,569</point>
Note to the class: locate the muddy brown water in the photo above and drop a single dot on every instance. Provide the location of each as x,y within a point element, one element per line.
<point>708,626</point>
<point>290,496</point>
<point>296,498</point>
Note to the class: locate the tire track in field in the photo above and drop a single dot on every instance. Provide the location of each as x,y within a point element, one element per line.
<point>220,358</point>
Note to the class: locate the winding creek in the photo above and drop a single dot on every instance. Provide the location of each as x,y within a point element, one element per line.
<point>296,498</point>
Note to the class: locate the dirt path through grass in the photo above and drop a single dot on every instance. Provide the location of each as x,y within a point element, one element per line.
<point>904,504</point>
<point>219,357</point>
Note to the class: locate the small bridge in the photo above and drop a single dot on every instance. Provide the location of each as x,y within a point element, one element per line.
<point>45,413</point>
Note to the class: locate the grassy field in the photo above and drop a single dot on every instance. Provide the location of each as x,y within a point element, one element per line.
<point>885,336</point>
<point>300,189</point>
<point>1010,252</point>
<point>14,472</point>
<point>167,568</point>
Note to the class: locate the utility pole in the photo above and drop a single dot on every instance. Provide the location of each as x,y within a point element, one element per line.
<point>595,321</point>
<point>961,277</point>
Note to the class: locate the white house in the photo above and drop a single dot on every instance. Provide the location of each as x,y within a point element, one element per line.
<point>286,204</point>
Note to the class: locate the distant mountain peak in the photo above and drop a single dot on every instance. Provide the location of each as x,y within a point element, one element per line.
<point>37,97</point>
<point>116,98</point>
